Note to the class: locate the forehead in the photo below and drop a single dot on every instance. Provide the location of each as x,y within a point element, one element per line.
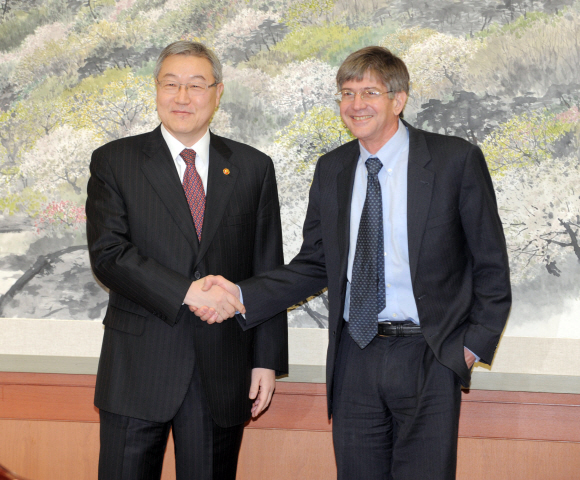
<point>369,80</point>
<point>186,66</point>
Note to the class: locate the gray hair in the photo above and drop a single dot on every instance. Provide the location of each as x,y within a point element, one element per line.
<point>194,49</point>
<point>379,61</point>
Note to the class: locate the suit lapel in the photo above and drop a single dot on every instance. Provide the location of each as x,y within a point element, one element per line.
<point>345,183</point>
<point>160,170</point>
<point>219,190</point>
<point>420,182</point>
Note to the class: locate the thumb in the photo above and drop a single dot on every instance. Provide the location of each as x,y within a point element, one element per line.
<point>207,283</point>
<point>254,388</point>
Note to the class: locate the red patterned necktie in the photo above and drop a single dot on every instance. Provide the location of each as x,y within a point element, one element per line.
<point>193,187</point>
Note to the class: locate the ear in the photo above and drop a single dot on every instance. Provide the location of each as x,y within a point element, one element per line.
<point>219,91</point>
<point>399,102</point>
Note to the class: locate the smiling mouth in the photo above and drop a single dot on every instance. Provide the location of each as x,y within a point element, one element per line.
<point>363,117</point>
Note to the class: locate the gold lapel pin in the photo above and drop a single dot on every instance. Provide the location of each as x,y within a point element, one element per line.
<point>226,171</point>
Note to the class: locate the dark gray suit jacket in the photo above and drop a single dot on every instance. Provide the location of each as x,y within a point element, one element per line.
<point>144,248</point>
<point>457,253</point>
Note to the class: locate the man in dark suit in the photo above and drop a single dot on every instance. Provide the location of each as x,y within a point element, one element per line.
<point>402,227</point>
<point>165,209</point>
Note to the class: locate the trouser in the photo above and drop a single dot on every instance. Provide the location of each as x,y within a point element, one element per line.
<point>395,411</point>
<point>133,449</point>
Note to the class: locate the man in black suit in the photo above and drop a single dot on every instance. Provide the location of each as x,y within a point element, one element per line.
<point>165,209</point>
<point>402,227</point>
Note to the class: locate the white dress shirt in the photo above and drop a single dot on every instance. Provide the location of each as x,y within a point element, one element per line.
<point>201,148</point>
<point>394,155</point>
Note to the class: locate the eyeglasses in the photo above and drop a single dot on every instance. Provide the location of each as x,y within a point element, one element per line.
<point>197,88</point>
<point>369,95</point>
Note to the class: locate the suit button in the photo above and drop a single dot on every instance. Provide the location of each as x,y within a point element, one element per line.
<point>197,275</point>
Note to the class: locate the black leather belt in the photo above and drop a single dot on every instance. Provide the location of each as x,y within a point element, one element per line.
<point>398,329</point>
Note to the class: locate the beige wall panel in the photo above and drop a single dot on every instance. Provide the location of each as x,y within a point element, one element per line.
<point>286,455</point>
<point>50,450</point>
<point>484,459</point>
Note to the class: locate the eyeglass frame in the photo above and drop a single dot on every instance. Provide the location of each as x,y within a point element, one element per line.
<point>362,94</point>
<point>187,87</point>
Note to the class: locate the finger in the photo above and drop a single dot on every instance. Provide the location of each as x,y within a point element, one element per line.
<point>207,314</point>
<point>228,311</point>
<point>201,311</point>
<point>239,307</point>
<point>260,403</point>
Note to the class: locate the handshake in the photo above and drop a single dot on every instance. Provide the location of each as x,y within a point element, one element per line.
<point>214,299</point>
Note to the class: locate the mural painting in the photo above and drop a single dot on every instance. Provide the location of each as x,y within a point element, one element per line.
<point>75,74</point>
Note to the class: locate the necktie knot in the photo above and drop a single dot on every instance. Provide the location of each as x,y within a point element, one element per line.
<point>188,156</point>
<point>374,165</point>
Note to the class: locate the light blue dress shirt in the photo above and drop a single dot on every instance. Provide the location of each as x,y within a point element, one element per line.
<point>394,155</point>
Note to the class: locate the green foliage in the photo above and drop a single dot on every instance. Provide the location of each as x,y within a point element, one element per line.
<point>519,26</point>
<point>193,18</point>
<point>18,129</point>
<point>308,12</point>
<point>269,62</point>
<point>529,60</point>
<point>55,58</point>
<point>113,104</point>
<point>99,82</point>
<point>314,133</point>
<point>27,201</point>
<point>14,30</point>
<point>401,40</point>
<point>329,42</point>
<point>522,141</point>
<point>141,6</point>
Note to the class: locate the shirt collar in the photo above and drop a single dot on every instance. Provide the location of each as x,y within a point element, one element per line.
<point>201,147</point>
<point>390,150</point>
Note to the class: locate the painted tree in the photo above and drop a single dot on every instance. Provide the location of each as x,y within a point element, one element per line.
<point>61,157</point>
<point>401,40</point>
<point>329,42</point>
<point>120,108</point>
<point>524,140</point>
<point>58,217</point>
<point>248,33</point>
<point>301,86</point>
<point>314,133</point>
<point>528,57</point>
<point>540,210</point>
<point>308,12</point>
<point>439,64</point>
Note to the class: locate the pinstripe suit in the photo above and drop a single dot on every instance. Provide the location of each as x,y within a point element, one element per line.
<point>143,247</point>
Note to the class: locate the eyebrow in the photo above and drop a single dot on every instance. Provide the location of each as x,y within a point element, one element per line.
<point>192,77</point>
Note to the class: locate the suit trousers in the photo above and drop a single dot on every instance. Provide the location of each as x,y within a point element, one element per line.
<point>133,449</point>
<point>395,411</point>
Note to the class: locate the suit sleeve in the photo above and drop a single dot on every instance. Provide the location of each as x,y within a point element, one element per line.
<point>116,261</point>
<point>271,337</point>
<point>269,293</point>
<point>485,238</point>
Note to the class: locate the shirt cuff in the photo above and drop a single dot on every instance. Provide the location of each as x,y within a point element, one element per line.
<point>241,301</point>
<point>474,354</point>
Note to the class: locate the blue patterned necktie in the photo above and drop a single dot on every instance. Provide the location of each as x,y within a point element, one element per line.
<point>367,288</point>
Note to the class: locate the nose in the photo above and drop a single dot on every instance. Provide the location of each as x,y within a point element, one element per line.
<point>182,96</point>
<point>358,101</point>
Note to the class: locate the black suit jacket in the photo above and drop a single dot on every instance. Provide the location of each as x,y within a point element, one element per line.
<point>144,248</point>
<point>457,253</point>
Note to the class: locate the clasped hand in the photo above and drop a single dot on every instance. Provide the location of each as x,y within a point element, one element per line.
<point>214,299</point>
